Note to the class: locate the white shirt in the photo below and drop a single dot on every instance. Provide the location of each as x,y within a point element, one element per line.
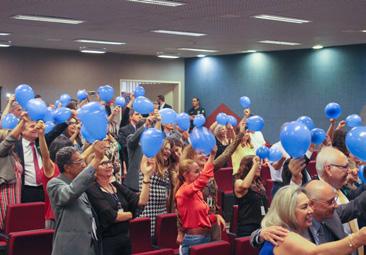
<point>257,139</point>
<point>29,170</point>
<point>276,175</point>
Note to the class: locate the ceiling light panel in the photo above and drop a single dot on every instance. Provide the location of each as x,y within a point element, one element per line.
<point>167,56</point>
<point>48,19</point>
<point>282,19</point>
<point>93,51</point>
<point>199,50</point>
<point>159,2</point>
<point>99,42</point>
<point>4,34</point>
<point>280,42</point>
<point>171,32</point>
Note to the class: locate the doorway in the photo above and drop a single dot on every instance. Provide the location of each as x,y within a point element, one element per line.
<point>171,90</point>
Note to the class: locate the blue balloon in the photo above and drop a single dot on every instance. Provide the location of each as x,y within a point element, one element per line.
<point>36,109</point>
<point>245,102</point>
<point>332,110</point>
<point>10,121</point>
<point>65,99</point>
<point>139,91</point>
<point>356,142</point>
<point>57,103</point>
<point>86,135</point>
<point>255,123</point>
<point>61,115</point>
<point>274,154</point>
<point>151,141</point>
<point>49,125</point>
<point>106,93</point>
<point>361,173</point>
<point>168,116</point>
<point>183,121</point>
<point>94,120</point>
<point>202,140</point>
<point>307,121</point>
<point>82,94</point>
<point>262,152</point>
<point>23,93</point>
<point>232,120</point>
<point>120,101</point>
<point>222,118</point>
<point>48,115</point>
<point>295,138</point>
<point>354,120</point>
<point>143,105</point>
<point>317,135</point>
<point>199,120</point>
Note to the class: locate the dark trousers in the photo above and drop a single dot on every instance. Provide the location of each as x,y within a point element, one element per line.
<point>246,230</point>
<point>32,194</point>
<point>116,245</point>
<point>276,187</point>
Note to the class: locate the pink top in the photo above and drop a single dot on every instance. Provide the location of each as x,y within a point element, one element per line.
<point>192,209</point>
<point>48,210</point>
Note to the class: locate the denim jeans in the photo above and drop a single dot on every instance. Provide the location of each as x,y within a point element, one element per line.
<point>190,240</point>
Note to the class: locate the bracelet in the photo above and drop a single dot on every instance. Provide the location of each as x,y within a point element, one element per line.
<point>350,244</point>
<point>145,182</point>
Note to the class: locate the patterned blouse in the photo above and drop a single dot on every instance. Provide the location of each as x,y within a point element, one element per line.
<point>158,198</point>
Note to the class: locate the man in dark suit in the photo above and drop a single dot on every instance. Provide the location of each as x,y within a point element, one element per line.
<point>30,158</point>
<point>161,102</point>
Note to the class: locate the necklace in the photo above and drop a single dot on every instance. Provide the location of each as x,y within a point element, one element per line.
<point>113,194</point>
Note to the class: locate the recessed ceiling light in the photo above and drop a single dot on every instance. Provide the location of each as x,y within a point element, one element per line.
<point>201,55</point>
<point>93,51</point>
<point>99,42</point>
<point>363,31</point>
<point>167,56</point>
<point>159,2</point>
<point>282,19</point>
<point>249,51</point>
<point>4,45</point>
<point>192,49</point>
<point>318,46</point>
<point>48,19</point>
<point>280,42</point>
<point>171,32</point>
<point>4,34</point>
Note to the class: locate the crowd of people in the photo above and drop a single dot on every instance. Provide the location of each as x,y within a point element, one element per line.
<point>92,191</point>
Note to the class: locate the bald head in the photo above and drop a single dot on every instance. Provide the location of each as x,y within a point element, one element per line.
<point>317,189</point>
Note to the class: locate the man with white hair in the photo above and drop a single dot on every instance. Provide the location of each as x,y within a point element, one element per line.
<point>332,167</point>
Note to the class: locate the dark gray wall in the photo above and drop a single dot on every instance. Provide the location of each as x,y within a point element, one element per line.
<point>282,85</point>
<point>54,72</point>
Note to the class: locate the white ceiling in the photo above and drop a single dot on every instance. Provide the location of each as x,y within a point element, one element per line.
<point>228,24</point>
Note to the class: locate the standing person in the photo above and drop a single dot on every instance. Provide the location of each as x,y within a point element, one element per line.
<point>196,109</point>
<point>75,223</point>
<point>250,195</point>
<point>161,102</point>
<point>115,205</point>
<point>193,211</point>
<point>10,170</point>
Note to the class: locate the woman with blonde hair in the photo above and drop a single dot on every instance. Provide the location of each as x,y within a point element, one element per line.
<point>194,213</point>
<point>244,148</point>
<point>290,208</point>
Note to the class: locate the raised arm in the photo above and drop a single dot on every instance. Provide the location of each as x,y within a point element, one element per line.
<point>241,186</point>
<point>48,166</point>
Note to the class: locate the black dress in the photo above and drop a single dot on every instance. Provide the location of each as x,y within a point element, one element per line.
<point>252,207</point>
<point>114,235</point>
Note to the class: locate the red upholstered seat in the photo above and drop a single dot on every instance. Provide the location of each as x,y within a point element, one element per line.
<point>140,235</point>
<point>22,217</point>
<point>166,231</point>
<point>27,216</point>
<point>31,242</point>
<point>157,252</point>
<point>242,246</point>
<point>234,219</point>
<point>212,248</point>
<point>224,179</point>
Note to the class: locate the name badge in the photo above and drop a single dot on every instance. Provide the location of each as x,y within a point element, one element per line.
<point>263,211</point>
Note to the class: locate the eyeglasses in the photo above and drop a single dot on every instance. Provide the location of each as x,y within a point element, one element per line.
<point>345,167</point>
<point>77,162</point>
<point>330,202</point>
